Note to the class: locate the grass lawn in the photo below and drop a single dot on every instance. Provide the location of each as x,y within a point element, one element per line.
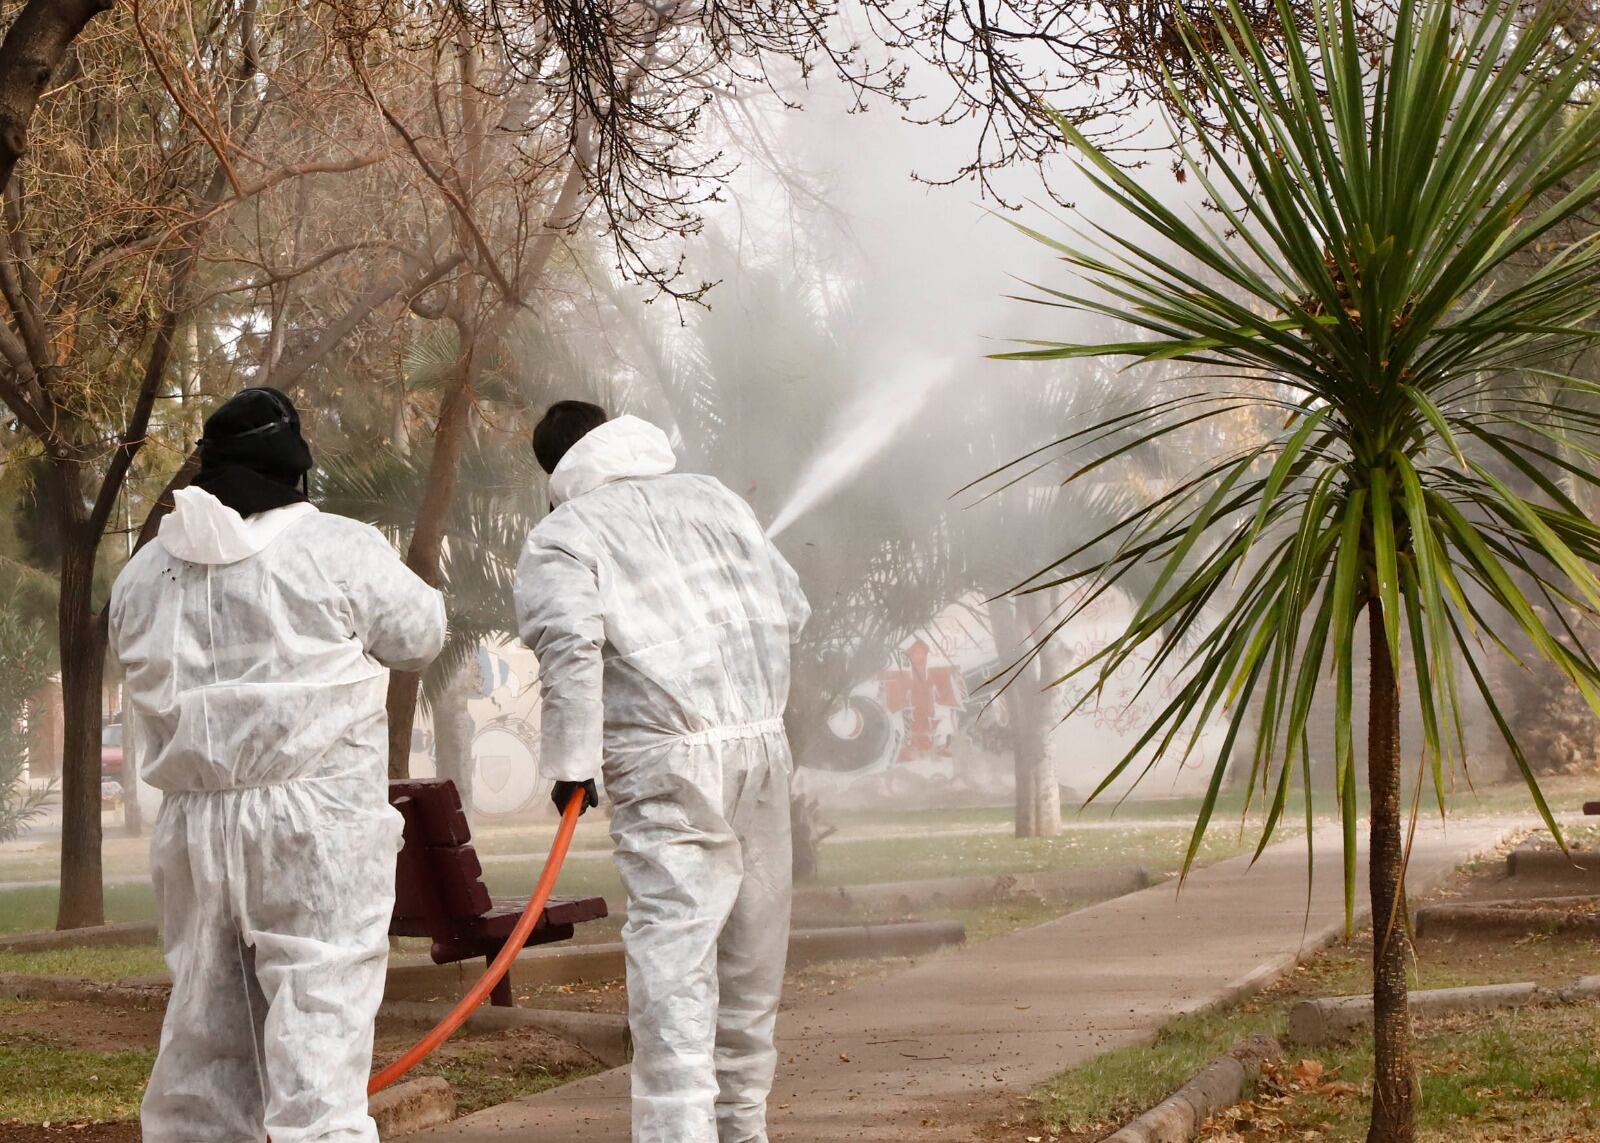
<point>845,862</point>
<point>1531,1074</point>
<point>44,1080</point>
<point>74,1063</point>
<point>1159,848</point>
<point>118,855</point>
<point>93,964</point>
<point>34,910</point>
<point>481,1077</point>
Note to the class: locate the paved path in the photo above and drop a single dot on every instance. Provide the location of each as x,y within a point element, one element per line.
<point>914,1056</point>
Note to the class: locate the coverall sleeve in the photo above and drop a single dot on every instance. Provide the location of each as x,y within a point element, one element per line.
<point>398,618</point>
<point>795,605</point>
<point>559,616</point>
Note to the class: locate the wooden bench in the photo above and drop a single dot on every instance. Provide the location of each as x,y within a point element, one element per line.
<point>439,889</point>
<point>1591,808</point>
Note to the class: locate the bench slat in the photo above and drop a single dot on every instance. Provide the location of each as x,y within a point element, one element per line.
<point>458,877</point>
<point>439,809</point>
<point>439,889</point>
<point>560,911</point>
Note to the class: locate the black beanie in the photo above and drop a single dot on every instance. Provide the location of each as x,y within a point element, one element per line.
<point>252,456</point>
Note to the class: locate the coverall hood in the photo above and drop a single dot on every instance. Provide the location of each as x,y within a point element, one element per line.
<point>618,449</point>
<point>204,530</point>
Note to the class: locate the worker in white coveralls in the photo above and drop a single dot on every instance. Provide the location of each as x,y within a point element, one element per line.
<point>663,619</point>
<point>256,635</point>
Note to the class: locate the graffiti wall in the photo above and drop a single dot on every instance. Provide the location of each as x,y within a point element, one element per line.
<point>502,712</point>
<point>933,713</point>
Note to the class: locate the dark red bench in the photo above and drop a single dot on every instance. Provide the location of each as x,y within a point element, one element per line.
<point>1591,808</point>
<point>439,889</point>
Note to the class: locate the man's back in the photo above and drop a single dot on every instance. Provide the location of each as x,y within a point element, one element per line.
<point>657,600</point>
<point>254,651</point>
<point>696,613</point>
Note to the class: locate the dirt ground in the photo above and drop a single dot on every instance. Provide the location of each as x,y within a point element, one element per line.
<point>73,1132</point>
<point>483,1068</point>
<point>87,1027</point>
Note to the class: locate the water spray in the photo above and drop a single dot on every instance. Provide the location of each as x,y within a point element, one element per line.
<point>865,430</point>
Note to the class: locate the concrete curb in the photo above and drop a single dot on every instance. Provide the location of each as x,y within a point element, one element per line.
<point>1536,859</point>
<point>134,994</point>
<point>121,934</point>
<point>413,1106</point>
<point>415,978</point>
<point>873,942</point>
<point>1221,1083</point>
<point>1535,914</point>
<point>603,1035</point>
<point>1583,989</point>
<point>967,892</point>
<point>1314,1022</point>
<point>587,964</point>
<point>1326,1021</point>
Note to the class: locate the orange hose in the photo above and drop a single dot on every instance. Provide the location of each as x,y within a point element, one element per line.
<point>502,963</point>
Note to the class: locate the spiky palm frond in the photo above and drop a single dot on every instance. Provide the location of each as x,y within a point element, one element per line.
<point>1367,295</point>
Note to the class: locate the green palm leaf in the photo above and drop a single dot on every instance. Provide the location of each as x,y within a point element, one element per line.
<point>1409,261</point>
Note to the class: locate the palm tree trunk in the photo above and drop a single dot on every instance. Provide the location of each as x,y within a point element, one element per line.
<point>1394,1080</point>
<point>83,652</point>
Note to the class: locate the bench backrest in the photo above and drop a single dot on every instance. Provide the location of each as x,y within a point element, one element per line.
<point>439,877</point>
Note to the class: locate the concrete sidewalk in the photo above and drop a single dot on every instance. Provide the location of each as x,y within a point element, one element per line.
<point>921,1055</point>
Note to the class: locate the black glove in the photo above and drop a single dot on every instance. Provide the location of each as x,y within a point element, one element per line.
<point>563,791</point>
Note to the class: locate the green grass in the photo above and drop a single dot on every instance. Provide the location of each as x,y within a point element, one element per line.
<point>34,910</point>
<point>1116,1086</point>
<point>118,855</point>
<point>481,1080</point>
<point>42,1081</point>
<point>1159,848</point>
<point>1535,1066</point>
<point>1531,1074</point>
<point>989,921</point>
<point>92,963</point>
<point>593,835</point>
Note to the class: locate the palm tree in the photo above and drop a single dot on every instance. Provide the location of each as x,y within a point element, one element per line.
<point>1358,283</point>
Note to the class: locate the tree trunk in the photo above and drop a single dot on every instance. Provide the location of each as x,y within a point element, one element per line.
<point>426,550</point>
<point>453,729</point>
<point>34,47</point>
<point>132,811</point>
<point>1038,795</point>
<point>83,651</point>
<point>1394,1080</point>
<point>1046,779</point>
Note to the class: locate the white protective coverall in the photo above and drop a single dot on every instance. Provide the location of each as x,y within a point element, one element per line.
<point>255,654</point>
<point>660,612</point>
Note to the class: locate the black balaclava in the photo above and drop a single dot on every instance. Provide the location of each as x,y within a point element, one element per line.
<point>252,456</point>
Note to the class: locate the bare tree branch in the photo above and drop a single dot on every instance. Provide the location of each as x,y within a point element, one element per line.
<point>289,374</point>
